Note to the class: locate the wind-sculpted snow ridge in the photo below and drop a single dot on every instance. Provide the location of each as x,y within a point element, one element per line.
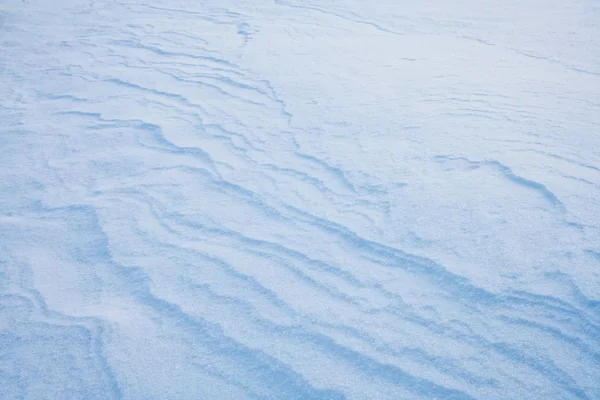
<point>299,200</point>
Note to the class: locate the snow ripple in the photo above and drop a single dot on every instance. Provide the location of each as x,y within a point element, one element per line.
<point>293,200</point>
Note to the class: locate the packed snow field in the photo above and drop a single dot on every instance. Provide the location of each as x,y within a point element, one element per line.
<point>299,199</point>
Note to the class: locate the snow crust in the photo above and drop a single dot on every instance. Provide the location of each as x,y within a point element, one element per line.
<point>299,199</point>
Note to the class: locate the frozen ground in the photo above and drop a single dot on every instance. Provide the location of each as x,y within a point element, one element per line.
<point>299,199</point>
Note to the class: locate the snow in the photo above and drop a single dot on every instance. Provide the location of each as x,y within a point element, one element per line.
<point>299,199</point>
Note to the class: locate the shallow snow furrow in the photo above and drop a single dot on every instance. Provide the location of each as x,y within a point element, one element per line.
<point>298,200</point>
<point>247,241</point>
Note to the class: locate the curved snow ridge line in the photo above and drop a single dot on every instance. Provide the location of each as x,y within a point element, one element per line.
<point>241,85</point>
<point>300,175</point>
<point>546,193</point>
<point>211,86</point>
<point>185,100</point>
<point>234,84</point>
<point>157,92</point>
<point>546,367</point>
<point>372,367</point>
<point>591,304</point>
<point>284,379</point>
<point>578,179</point>
<point>94,326</point>
<point>326,346</point>
<point>504,350</point>
<point>276,247</point>
<point>254,246</point>
<point>557,62</point>
<point>282,262</point>
<point>562,158</point>
<point>513,351</point>
<point>161,94</point>
<point>273,96</point>
<point>330,347</point>
<point>587,350</point>
<point>217,184</point>
<point>335,171</point>
<point>57,96</point>
<point>248,244</point>
<point>448,301</point>
<point>163,34</point>
<point>28,339</point>
<point>230,270</point>
<point>259,251</point>
<point>157,50</point>
<point>453,371</point>
<point>368,365</point>
<point>168,146</point>
<point>229,267</point>
<point>219,74</point>
<point>162,143</point>
<point>393,257</point>
<point>86,114</point>
<point>485,343</point>
<point>192,14</point>
<point>555,306</point>
<point>279,378</point>
<point>201,83</point>
<point>327,12</point>
<point>247,241</point>
<point>260,245</point>
<point>227,133</point>
<point>446,365</point>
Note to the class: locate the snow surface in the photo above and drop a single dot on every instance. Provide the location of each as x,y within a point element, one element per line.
<point>299,199</point>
